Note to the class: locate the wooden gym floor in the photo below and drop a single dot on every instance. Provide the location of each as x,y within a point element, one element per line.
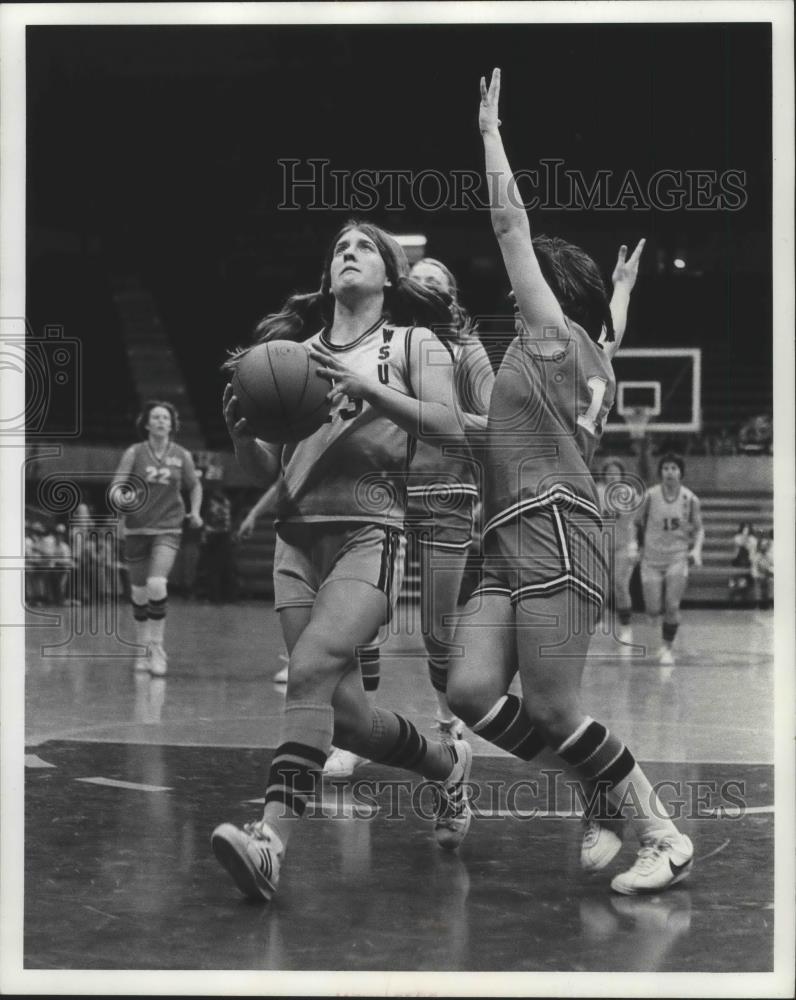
<point>126,777</point>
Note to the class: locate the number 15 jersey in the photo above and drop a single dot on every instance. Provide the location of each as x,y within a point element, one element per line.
<point>353,468</point>
<point>669,525</point>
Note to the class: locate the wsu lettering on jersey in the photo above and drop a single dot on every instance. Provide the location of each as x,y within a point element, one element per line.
<point>353,468</point>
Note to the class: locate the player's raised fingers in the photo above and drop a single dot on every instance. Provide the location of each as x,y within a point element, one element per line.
<point>494,86</point>
<point>622,255</point>
<point>639,249</point>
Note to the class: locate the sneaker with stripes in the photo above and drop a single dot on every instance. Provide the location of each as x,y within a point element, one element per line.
<point>453,813</point>
<point>252,856</point>
<point>659,863</point>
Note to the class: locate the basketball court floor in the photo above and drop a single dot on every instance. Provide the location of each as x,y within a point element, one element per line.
<point>126,777</point>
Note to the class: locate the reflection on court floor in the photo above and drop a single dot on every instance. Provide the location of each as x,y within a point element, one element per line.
<point>127,776</point>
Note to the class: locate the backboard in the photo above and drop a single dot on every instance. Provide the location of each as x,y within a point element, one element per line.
<point>667,381</point>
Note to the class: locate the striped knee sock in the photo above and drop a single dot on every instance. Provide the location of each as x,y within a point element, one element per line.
<point>156,613</point>
<point>507,725</point>
<point>603,762</point>
<point>395,741</point>
<point>298,760</point>
<point>141,620</point>
<point>370,665</point>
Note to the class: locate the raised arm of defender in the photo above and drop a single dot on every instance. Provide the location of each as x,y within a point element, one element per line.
<point>538,306</point>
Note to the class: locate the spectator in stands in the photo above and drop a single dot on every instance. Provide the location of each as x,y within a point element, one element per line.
<point>722,442</point>
<point>46,548</point>
<point>218,567</point>
<point>763,572</point>
<point>62,566</point>
<point>756,436</point>
<point>34,577</point>
<point>740,582</point>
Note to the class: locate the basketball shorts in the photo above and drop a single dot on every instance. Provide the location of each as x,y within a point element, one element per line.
<point>543,553</point>
<point>671,575</point>
<point>138,548</point>
<point>442,519</point>
<point>309,556</point>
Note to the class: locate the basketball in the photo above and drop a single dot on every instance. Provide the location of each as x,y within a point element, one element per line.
<point>279,393</point>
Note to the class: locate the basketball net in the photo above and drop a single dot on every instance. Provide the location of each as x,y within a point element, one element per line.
<point>637,418</point>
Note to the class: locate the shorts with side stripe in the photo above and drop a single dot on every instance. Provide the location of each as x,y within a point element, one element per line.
<point>307,556</point>
<point>442,517</point>
<point>552,549</point>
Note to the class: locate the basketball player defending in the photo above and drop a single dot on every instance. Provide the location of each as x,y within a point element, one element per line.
<point>545,577</point>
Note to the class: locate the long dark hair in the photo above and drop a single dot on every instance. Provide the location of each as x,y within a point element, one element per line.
<point>576,282</point>
<point>406,301</point>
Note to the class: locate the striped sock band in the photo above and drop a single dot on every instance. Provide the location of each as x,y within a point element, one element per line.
<point>596,755</point>
<point>624,615</point>
<point>669,631</point>
<point>299,759</point>
<point>507,725</point>
<point>140,612</point>
<point>370,665</point>
<point>409,747</point>
<point>156,610</point>
<point>438,672</point>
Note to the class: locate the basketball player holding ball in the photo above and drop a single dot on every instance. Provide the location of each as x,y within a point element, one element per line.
<point>156,470</point>
<point>340,542</point>
<point>443,490</point>
<point>545,578</point>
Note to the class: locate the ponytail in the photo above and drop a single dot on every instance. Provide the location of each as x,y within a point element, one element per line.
<point>298,319</point>
<point>410,303</point>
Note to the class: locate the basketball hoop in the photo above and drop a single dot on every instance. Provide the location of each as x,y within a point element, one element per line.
<point>636,419</point>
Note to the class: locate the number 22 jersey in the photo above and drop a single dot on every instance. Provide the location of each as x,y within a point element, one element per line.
<point>165,478</point>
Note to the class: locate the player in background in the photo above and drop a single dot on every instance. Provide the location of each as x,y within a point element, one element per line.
<point>444,488</point>
<point>619,498</point>
<point>150,480</point>
<point>545,578</point>
<point>340,541</point>
<point>672,536</point>
<point>620,495</point>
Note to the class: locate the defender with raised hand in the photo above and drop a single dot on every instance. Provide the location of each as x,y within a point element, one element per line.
<point>544,574</point>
